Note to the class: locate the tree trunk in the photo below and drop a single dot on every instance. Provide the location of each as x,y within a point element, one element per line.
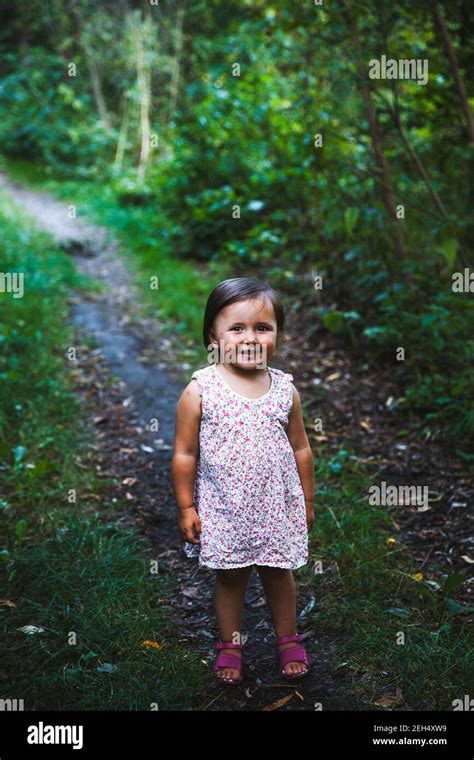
<point>92,67</point>
<point>97,88</point>
<point>453,62</point>
<point>395,112</point>
<point>383,172</point>
<point>142,35</point>
<point>119,154</point>
<point>176,65</point>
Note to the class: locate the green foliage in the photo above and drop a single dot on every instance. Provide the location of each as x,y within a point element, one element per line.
<point>238,174</point>
<point>46,117</point>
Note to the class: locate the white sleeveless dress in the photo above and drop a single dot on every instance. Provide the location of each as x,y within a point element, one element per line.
<point>247,490</point>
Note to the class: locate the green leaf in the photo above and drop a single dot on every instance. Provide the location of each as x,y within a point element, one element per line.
<point>425,591</point>
<point>375,332</point>
<point>334,321</point>
<point>41,467</point>
<point>18,453</point>
<point>20,529</point>
<point>452,582</point>
<point>464,455</point>
<point>353,316</point>
<point>454,606</point>
<point>399,611</point>
<point>449,248</point>
<point>351,216</point>
<point>88,656</point>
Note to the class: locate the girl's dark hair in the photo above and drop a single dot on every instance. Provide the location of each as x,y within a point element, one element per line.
<point>239,289</point>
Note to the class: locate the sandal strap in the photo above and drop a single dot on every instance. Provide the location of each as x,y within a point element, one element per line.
<point>226,660</point>
<point>293,654</point>
<point>227,645</point>
<point>287,639</point>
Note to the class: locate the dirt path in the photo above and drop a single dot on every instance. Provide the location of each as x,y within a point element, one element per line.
<point>354,403</point>
<point>139,352</point>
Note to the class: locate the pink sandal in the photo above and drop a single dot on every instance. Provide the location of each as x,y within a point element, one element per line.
<point>295,653</point>
<point>226,660</point>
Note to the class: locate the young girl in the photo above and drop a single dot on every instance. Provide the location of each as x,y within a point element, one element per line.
<point>243,471</point>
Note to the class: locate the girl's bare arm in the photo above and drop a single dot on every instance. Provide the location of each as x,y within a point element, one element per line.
<point>302,450</point>
<point>186,446</point>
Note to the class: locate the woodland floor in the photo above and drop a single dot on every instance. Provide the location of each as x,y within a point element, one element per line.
<point>128,377</point>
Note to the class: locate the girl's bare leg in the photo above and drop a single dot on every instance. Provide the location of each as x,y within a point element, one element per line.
<point>229,597</point>
<point>280,593</point>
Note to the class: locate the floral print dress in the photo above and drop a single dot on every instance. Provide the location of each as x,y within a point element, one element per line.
<point>247,489</point>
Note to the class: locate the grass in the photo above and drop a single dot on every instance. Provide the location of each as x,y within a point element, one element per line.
<point>66,569</point>
<point>367,593</point>
<point>391,628</point>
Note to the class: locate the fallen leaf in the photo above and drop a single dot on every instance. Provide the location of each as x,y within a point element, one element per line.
<point>308,607</point>
<point>150,644</point>
<point>259,603</point>
<point>279,703</point>
<point>82,466</point>
<point>31,629</point>
<point>192,592</point>
<point>388,700</point>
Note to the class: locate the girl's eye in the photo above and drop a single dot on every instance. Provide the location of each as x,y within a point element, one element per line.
<point>239,328</point>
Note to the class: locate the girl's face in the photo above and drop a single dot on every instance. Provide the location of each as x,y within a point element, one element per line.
<point>246,331</point>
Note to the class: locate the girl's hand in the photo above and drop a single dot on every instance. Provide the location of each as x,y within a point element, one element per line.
<point>189,525</point>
